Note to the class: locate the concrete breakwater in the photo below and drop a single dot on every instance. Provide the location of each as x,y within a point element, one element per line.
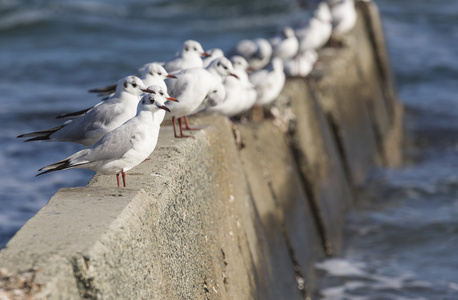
<point>206,219</point>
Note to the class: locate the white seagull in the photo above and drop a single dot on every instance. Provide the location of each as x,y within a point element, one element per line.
<point>189,56</point>
<point>343,17</point>
<point>316,33</point>
<point>99,120</point>
<point>302,64</point>
<point>268,82</point>
<point>240,93</point>
<point>285,46</point>
<point>123,148</point>
<point>196,87</point>
<point>257,52</point>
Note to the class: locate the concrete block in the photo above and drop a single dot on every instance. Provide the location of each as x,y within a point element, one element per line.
<point>320,164</point>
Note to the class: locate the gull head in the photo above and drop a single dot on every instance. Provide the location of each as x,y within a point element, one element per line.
<point>223,67</point>
<point>157,71</point>
<point>191,47</point>
<point>239,63</point>
<point>288,32</point>
<point>160,92</point>
<point>132,85</point>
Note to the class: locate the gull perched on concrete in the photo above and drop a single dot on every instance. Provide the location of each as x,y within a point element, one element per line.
<point>124,147</point>
<point>302,64</point>
<point>344,17</point>
<point>99,120</point>
<point>268,82</point>
<point>285,46</point>
<point>240,92</point>
<point>152,74</point>
<point>317,31</point>
<point>257,52</point>
<point>196,87</point>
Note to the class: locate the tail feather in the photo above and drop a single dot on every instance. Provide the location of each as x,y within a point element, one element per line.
<point>74,114</point>
<point>40,135</point>
<point>61,165</point>
<point>106,90</point>
<point>57,166</point>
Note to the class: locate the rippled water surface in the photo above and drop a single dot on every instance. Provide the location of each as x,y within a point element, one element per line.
<point>403,238</point>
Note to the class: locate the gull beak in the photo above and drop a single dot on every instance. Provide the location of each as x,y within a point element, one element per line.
<point>164,108</point>
<point>170,76</point>
<point>172,99</point>
<point>147,91</point>
<point>206,54</point>
<point>232,74</point>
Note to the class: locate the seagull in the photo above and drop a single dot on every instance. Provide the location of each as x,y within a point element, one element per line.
<point>268,82</point>
<point>189,56</point>
<point>196,87</point>
<point>152,74</point>
<point>257,52</point>
<point>213,54</point>
<point>343,17</point>
<point>240,93</point>
<point>124,147</point>
<point>316,33</point>
<point>302,64</point>
<point>285,46</point>
<point>99,120</point>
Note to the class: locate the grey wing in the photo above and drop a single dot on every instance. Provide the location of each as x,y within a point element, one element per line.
<point>89,124</point>
<point>114,144</point>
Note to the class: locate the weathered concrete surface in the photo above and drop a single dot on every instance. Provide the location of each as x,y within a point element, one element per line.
<point>283,207</point>
<point>321,166</point>
<point>203,219</point>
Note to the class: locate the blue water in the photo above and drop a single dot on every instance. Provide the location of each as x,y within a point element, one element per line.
<point>403,237</point>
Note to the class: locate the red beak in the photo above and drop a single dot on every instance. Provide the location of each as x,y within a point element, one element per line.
<point>164,108</point>
<point>172,99</point>
<point>206,54</point>
<point>171,76</point>
<point>232,74</point>
<point>147,91</point>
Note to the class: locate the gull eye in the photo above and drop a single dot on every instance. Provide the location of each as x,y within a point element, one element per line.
<point>134,84</point>
<point>215,91</point>
<point>151,100</point>
<point>159,73</point>
<point>162,93</point>
<point>225,67</point>
<point>195,49</point>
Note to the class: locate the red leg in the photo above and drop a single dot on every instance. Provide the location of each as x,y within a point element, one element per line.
<point>117,179</point>
<point>187,124</point>
<point>174,127</point>
<point>182,135</point>
<point>124,178</point>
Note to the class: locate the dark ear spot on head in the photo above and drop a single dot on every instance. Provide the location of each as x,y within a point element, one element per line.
<point>125,84</point>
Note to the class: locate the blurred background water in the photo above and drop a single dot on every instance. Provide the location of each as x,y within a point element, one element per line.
<point>403,237</point>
